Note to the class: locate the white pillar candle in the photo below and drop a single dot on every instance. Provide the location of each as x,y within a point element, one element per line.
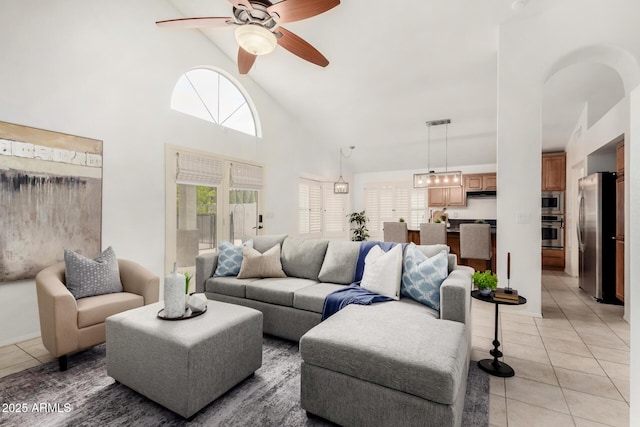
<point>174,285</point>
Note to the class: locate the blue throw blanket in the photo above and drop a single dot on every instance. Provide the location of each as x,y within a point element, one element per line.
<point>354,294</point>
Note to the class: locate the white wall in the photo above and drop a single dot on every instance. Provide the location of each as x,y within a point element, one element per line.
<point>524,64</point>
<point>104,70</point>
<point>475,209</point>
<point>581,162</point>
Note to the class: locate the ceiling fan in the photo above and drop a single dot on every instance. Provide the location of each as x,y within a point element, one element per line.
<point>258,29</point>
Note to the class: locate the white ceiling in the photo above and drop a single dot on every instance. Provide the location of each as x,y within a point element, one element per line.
<point>391,69</point>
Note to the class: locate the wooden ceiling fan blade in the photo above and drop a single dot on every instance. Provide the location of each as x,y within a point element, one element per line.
<point>206,22</point>
<point>296,10</point>
<point>301,48</point>
<point>245,60</point>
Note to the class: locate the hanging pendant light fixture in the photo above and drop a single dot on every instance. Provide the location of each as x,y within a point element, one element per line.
<point>432,179</point>
<point>341,186</point>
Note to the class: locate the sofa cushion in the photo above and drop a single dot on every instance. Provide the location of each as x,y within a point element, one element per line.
<point>230,258</point>
<point>231,286</point>
<point>277,291</point>
<point>303,257</point>
<point>423,276</point>
<point>383,271</point>
<point>266,242</point>
<point>86,277</point>
<point>94,310</point>
<point>385,344</point>
<point>339,264</point>
<point>312,298</point>
<point>255,264</point>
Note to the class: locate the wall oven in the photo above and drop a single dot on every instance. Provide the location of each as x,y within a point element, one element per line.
<point>552,202</point>
<point>552,231</point>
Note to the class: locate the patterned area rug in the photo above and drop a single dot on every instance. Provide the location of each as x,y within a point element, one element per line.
<point>85,396</point>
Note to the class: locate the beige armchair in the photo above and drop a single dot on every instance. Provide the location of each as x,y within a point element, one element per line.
<point>68,325</point>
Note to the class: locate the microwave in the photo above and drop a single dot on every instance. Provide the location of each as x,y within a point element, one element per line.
<point>552,203</point>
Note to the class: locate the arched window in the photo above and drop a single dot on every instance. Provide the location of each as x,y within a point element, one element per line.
<point>212,96</point>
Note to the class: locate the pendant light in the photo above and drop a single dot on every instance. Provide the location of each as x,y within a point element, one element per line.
<point>432,179</point>
<point>341,186</point>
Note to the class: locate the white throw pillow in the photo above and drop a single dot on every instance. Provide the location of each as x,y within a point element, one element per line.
<point>383,271</point>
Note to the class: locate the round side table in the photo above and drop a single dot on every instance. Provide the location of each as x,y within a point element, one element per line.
<point>496,367</point>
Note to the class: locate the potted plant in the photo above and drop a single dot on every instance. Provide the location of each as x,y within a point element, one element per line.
<point>485,281</point>
<point>358,221</point>
<point>401,219</point>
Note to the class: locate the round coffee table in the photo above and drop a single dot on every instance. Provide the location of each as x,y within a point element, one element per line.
<point>496,367</point>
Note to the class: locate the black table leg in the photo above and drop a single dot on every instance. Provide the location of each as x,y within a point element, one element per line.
<point>496,367</point>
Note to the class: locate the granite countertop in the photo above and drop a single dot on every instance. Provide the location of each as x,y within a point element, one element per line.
<point>454,230</point>
<point>455,224</point>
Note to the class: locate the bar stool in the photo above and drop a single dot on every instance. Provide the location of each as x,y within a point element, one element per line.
<point>433,233</point>
<point>475,242</point>
<point>395,232</point>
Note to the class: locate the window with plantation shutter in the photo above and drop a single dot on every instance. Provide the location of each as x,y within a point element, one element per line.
<point>309,207</point>
<point>390,202</point>
<point>198,170</point>
<point>418,208</point>
<point>321,212</point>
<point>334,207</point>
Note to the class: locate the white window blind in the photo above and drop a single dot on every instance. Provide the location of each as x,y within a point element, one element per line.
<point>199,170</point>
<point>335,211</point>
<point>244,176</point>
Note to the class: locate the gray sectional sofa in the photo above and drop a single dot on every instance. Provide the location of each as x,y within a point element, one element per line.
<point>391,363</point>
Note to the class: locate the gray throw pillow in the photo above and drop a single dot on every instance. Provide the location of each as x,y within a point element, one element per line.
<point>339,265</point>
<point>86,277</point>
<point>303,258</point>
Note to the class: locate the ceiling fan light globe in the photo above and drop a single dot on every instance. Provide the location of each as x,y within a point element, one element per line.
<point>256,39</point>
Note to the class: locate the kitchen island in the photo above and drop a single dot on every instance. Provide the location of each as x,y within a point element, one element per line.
<point>453,240</point>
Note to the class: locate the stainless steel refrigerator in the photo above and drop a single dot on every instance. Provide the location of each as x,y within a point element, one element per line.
<point>596,235</point>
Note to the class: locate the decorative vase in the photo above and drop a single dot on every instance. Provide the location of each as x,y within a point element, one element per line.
<point>485,292</point>
<point>174,300</point>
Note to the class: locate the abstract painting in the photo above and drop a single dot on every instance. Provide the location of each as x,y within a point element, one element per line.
<point>50,198</point>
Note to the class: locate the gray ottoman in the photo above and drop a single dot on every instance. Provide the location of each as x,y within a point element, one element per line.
<point>184,365</point>
<point>385,364</point>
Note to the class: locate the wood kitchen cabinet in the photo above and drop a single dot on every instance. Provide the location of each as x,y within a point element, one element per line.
<point>554,171</point>
<point>553,259</point>
<point>620,221</point>
<point>480,182</point>
<point>444,197</point>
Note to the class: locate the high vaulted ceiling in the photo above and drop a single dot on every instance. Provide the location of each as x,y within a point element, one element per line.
<point>394,66</point>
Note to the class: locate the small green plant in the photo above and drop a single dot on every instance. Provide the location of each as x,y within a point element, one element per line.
<point>360,231</point>
<point>187,276</point>
<point>485,280</point>
<point>437,220</point>
<point>401,219</point>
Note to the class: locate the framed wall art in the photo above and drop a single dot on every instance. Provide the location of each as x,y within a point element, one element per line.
<point>50,198</point>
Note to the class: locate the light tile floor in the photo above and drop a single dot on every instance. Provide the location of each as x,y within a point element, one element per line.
<point>572,366</point>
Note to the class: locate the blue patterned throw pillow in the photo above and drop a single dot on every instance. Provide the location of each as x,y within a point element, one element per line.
<point>230,258</point>
<point>423,276</point>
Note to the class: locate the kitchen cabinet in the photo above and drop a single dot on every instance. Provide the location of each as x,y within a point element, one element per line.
<point>554,171</point>
<point>553,259</point>
<point>620,221</point>
<point>620,158</point>
<point>480,182</point>
<point>444,197</point>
